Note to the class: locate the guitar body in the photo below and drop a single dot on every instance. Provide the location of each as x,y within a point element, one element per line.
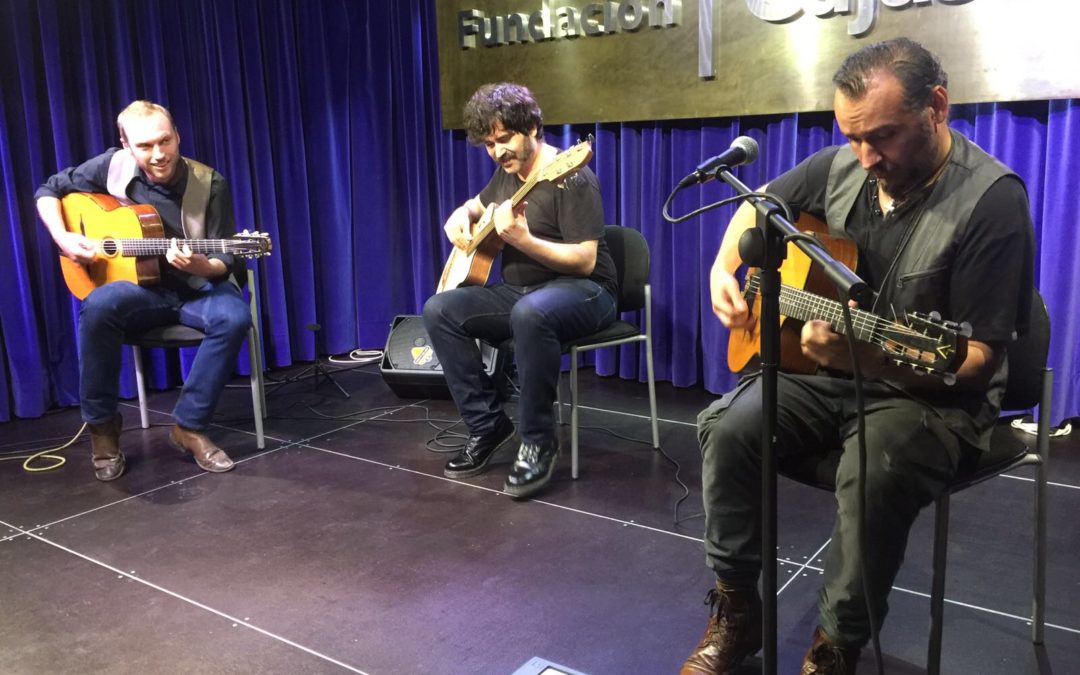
<point>129,241</point>
<point>798,271</point>
<point>464,268</point>
<point>472,266</point>
<point>103,217</point>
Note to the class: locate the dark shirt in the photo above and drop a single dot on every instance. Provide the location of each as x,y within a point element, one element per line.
<point>986,268</point>
<point>92,176</point>
<point>567,213</point>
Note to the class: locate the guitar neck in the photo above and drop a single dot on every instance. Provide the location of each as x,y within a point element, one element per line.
<point>159,246</point>
<point>487,223</point>
<point>797,303</point>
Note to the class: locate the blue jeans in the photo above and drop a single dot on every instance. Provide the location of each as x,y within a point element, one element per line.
<point>539,318</point>
<point>120,308</point>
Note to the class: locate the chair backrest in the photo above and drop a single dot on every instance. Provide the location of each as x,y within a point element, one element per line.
<point>1027,359</point>
<point>630,252</point>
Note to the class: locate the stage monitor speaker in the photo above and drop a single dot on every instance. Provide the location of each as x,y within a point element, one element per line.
<point>410,366</point>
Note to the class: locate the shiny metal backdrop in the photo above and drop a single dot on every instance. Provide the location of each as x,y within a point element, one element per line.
<point>645,60</point>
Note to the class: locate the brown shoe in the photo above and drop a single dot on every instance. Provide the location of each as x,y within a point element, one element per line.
<point>828,658</point>
<point>733,633</point>
<point>105,449</point>
<point>208,456</point>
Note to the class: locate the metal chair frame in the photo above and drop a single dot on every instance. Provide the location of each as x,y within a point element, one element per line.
<point>178,335</point>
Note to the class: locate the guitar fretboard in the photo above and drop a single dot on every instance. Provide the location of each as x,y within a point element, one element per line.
<point>804,306</point>
<point>158,246</point>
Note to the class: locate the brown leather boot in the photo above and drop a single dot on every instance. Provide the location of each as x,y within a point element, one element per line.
<point>208,456</point>
<point>828,658</point>
<point>105,449</point>
<point>733,633</point>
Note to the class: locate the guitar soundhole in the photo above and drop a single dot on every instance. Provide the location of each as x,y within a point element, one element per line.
<point>110,247</point>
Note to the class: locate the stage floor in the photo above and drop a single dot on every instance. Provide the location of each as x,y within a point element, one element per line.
<point>342,548</point>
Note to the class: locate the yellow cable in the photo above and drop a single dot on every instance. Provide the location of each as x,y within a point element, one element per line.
<point>59,461</point>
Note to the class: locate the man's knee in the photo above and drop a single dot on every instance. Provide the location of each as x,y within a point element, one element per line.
<point>229,314</point>
<point>724,436</point>
<point>104,301</point>
<point>434,311</point>
<point>527,318</point>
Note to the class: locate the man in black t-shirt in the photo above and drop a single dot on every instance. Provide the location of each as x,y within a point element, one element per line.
<point>941,226</point>
<point>558,284</point>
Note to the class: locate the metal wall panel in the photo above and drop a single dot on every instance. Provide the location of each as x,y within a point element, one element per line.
<point>768,56</point>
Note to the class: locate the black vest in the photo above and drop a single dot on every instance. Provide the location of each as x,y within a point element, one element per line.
<point>919,278</point>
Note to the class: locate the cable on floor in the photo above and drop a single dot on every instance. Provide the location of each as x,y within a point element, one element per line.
<point>58,460</point>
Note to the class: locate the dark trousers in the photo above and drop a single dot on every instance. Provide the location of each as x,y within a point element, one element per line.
<point>911,456</point>
<point>119,308</point>
<point>539,319</point>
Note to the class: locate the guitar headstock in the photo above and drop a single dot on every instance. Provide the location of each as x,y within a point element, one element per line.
<point>928,343</point>
<point>568,161</point>
<point>250,244</point>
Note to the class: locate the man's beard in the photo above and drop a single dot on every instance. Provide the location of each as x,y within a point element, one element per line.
<point>523,158</point>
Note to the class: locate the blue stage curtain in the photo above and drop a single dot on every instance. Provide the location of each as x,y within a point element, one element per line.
<point>325,117</point>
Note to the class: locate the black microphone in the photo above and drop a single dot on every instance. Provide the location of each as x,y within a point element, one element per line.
<point>743,150</point>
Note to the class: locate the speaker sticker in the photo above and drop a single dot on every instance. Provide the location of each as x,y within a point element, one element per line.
<point>421,356</point>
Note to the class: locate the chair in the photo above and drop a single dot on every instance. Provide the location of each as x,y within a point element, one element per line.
<point>630,252</point>
<point>1030,384</point>
<point>179,335</point>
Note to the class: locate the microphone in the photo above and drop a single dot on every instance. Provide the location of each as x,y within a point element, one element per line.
<point>743,150</point>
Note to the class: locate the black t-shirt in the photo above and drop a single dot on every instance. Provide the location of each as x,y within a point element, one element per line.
<point>571,213</point>
<point>991,262</point>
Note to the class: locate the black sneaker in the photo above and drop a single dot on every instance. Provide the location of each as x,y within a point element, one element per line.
<point>533,468</point>
<point>474,458</point>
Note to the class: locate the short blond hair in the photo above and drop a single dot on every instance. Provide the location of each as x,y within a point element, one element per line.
<point>141,108</point>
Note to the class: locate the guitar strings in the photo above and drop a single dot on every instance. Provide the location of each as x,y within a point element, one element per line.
<point>158,246</point>
<point>864,323</point>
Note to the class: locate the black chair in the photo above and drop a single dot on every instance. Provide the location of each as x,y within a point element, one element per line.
<point>179,335</point>
<point>1030,384</point>
<point>630,252</point>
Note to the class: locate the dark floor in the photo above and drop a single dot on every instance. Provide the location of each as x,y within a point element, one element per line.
<point>342,548</point>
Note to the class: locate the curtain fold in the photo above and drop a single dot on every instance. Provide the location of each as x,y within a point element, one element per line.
<point>325,117</point>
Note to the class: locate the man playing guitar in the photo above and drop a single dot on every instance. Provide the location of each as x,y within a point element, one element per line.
<point>193,202</point>
<point>558,283</point>
<point>940,226</point>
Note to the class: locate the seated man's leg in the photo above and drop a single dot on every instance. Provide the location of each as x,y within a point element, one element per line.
<point>106,315</point>
<point>454,320</point>
<point>729,432</point>
<point>541,321</point>
<point>225,317</point>
<point>911,456</point>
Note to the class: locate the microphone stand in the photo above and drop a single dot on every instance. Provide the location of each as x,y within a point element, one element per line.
<point>765,248</point>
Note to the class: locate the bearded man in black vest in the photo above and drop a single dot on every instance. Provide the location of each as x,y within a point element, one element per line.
<point>940,226</point>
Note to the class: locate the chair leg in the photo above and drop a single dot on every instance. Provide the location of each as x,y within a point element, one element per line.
<point>937,592</point>
<point>1038,609</point>
<point>558,400</point>
<point>257,400</point>
<point>573,413</point>
<point>1038,602</point>
<point>256,337</point>
<point>140,385</point>
<point>652,391</point>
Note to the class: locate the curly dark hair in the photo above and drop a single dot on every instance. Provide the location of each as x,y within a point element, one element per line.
<point>506,102</point>
<point>917,69</point>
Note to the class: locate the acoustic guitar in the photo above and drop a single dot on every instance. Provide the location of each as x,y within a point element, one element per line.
<point>925,342</point>
<point>129,240</point>
<point>472,266</point>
